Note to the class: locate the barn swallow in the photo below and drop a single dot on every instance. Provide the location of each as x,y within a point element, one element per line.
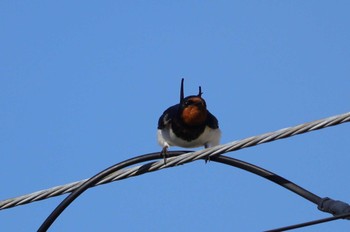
<point>188,124</point>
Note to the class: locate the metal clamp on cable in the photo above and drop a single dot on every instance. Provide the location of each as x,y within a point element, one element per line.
<point>334,207</point>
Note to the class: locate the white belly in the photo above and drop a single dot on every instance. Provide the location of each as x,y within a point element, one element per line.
<point>210,137</point>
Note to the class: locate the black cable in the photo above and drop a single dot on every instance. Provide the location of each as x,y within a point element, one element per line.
<point>310,223</point>
<point>145,168</point>
<point>268,175</point>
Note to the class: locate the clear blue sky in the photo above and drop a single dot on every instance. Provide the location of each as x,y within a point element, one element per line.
<point>82,84</point>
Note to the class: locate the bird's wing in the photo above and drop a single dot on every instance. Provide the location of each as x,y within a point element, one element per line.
<point>167,115</point>
<point>212,122</point>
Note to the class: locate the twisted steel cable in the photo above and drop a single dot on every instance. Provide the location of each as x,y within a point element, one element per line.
<point>182,159</point>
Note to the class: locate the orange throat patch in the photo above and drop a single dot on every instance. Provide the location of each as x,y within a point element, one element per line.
<point>194,115</point>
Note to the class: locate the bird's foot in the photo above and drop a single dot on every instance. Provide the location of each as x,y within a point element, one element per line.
<point>163,153</point>
<point>207,159</point>
<point>206,145</point>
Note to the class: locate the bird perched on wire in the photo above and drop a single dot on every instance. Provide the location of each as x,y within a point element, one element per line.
<point>188,124</point>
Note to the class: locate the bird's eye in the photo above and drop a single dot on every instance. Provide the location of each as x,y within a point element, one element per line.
<point>188,102</point>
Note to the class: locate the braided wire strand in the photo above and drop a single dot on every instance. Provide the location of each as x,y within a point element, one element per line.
<point>182,159</point>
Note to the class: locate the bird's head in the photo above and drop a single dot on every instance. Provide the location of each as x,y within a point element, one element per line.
<point>193,109</point>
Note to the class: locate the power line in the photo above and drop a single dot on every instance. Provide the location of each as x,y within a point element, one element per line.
<point>326,204</point>
<point>184,158</point>
<point>145,168</point>
<point>311,223</point>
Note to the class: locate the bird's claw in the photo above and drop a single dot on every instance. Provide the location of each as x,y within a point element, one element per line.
<point>207,159</point>
<point>163,153</point>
